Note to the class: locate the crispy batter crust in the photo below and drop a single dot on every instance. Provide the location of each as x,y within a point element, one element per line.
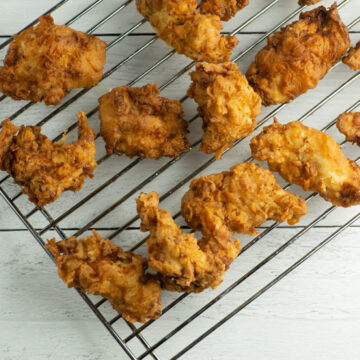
<point>45,62</point>
<point>243,198</point>
<point>352,59</point>
<point>349,125</point>
<point>45,169</point>
<point>297,57</point>
<point>227,104</point>
<point>311,159</point>
<point>308,2</point>
<point>180,25</point>
<point>96,266</point>
<point>225,9</point>
<point>183,263</point>
<point>136,121</point>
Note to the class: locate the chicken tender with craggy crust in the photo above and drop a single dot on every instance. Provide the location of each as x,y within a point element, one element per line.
<point>243,198</point>
<point>45,169</point>
<point>227,104</point>
<point>136,121</point>
<point>181,26</point>
<point>225,9</point>
<point>349,125</point>
<point>308,2</point>
<point>297,57</point>
<point>352,59</point>
<point>96,266</point>
<point>183,263</point>
<point>45,62</point>
<point>309,158</point>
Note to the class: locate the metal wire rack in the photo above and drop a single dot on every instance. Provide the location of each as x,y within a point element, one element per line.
<point>55,222</point>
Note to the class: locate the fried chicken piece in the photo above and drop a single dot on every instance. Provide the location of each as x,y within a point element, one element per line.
<point>309,158</point>
<point>136,121</point>
<point>349,125</point>
<point>243,198</point>
<point>352,59</point>
<point>227,104</point>
<point>96,266</point>
<point>308,2</point>
<point>45,169</point>
<point>45,62</point>
<point>225,9</point>
<point>181,26</point>
<point>183,263</point>
<point>297,57</point>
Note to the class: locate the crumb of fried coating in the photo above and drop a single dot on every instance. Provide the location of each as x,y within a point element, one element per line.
<point>349,125</point>
<point>352,59</point>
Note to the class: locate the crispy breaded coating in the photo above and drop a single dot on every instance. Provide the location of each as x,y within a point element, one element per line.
<point>96,266</point>
<point>352,59</point>
<point>137,122</point>
<point>349,125</point>
<point>308,2</point>
<point>183,263</point>
<point>190,33</point>
<point>45,169</point>
<point>225,9</point>
<point>227,104</point>
<point>45,62</point>
<point>309,158</point>
<point>243,198</point>
<point>297,57</point>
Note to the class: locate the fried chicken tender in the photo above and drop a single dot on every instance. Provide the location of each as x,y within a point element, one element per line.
<point>352,59</point>
<point>45,62</point>
<point>136,121</point>
<point>349,125</point>
<point>96,266</point>
<point>308,2</point>
<point>309,158</point>
<point>243,198</point>
<point>183,263</point>
<point>297,57</point>
<point>225,9</point>
<point>181,26</point>
<point>227,104</point>
<point>45,169</point>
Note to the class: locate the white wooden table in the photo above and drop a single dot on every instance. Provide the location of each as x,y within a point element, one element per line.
<point>313,313</point>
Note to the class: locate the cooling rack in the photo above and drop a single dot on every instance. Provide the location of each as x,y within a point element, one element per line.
<point>107,202</point>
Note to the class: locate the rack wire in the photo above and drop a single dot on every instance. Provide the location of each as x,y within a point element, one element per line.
<point>54,223</point>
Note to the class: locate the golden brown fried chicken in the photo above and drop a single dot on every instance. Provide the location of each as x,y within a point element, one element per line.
<point>297,57</point>
<point>45,62</point>
<point>136,121</point>
<point>181,26</point>
<point>225,9</point>
<point>349,125</point>
<point>96,266</point>
<point>311,159</point>
<point>243,198</point>
<point>183,263</point>
<point>308,2</point>
<point>45,169</point>
<point>352,59</point>
<point>227,104</point>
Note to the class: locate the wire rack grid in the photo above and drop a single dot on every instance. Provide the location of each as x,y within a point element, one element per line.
<point>119,180</point>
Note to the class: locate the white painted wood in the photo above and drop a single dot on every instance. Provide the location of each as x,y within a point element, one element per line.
<point>313,313</point>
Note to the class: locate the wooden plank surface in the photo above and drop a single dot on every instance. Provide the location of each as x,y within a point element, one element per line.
<point>313,313</point>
